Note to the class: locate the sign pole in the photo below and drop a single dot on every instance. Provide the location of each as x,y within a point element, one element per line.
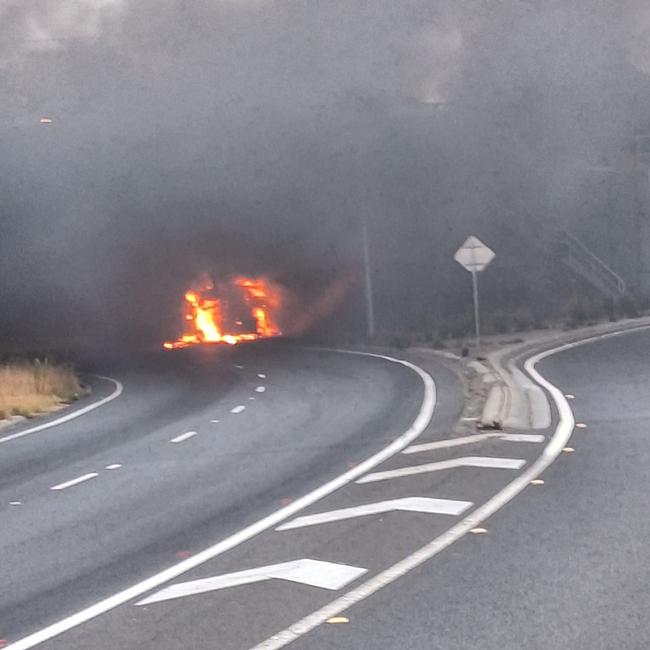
<point>370,309</point>
<point>477,321</point>
<point>474,256</point>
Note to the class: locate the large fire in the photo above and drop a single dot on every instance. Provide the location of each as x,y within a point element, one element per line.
<point>244,309</point>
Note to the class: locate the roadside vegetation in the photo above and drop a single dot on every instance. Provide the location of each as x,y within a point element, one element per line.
<point>28,388</point>
<point>456,331</point>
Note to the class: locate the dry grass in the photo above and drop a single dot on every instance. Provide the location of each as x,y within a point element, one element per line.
<point>31,388</point>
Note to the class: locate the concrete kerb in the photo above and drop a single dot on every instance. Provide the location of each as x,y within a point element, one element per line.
<point>515,401</point>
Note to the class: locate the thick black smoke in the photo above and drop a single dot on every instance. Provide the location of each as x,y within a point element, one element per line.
<point>249,135</point>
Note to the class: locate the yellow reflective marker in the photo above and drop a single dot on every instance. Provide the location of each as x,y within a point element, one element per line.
<point>338,619</point>
<point>568,450</point>
<point>581,425</point>
<point>537,481</point>
<point>478,531</point>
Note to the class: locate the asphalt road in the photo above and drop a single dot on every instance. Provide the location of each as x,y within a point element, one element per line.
<point>563,565</point>
<point>200,444</point>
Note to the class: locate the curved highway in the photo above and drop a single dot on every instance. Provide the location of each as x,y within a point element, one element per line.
<point>566,564</point>
<point>200,444</point>
<point>383,561</point>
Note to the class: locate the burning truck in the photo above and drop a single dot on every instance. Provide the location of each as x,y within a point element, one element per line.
<point>239,309</point>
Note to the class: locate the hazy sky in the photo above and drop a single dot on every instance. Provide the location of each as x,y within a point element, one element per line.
<point>247,135</point>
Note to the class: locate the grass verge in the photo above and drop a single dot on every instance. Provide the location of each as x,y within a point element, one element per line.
<point>30,388</point>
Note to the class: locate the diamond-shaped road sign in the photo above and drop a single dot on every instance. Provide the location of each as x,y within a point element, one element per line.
<point>474,255</point>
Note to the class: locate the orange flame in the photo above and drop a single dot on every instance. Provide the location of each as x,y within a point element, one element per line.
<point>204,317</point>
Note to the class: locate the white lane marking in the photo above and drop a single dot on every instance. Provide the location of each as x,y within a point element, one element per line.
<point>251,398</point>
<point>407,504</point>
<point>261,375</point>
<point>452,463</point>
<point>113,466</point>
<point>468,440</point>
<point>471,419</point>
<point>549,454</point>
<point>238,409</point>
<point>523,437</point>
<point>74,481</point>
<point>416,429</point>
<point>316,573</point>
<point>15,503</point>
<point>239,367</point>
<point>184,436</point>
<point>260,389</point>
<point>214,421</point>
<point>71,416</point>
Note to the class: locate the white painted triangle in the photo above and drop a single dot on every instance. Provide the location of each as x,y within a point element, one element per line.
<point>409,504</point>
<point>468,440</point>
<point>466,461</point>
<point>316,573</point>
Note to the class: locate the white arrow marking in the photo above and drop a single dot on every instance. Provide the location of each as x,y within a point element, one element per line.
<point>467,461</point>
<point>316,573</point>
<point>408,504</point>
<point>468,440</point>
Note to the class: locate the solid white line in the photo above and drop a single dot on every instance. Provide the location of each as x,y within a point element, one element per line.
<point>184,436</point>
<point>407,504</point>
<point>468,440</point>
<point>238,409</point>
<point>71,416</point>
<point>260,389</point>
<point>452,463</point>
<point>74,481</point>
<point>315,573</point>
<point>550,453</point>
<point>417,427</point>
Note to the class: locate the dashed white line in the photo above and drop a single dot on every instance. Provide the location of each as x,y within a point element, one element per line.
<point>15,503</point>
<point>238,409</point>
<point>239,367</point>
<point>74,481</point>
<point>113,466</point>
<point>214,421</point>
<point>468,440</point>
<point>261,375</point>
<point>251,398</point>
<point>184,436</point>
<point>260,389</point>
<point>466,461</point>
